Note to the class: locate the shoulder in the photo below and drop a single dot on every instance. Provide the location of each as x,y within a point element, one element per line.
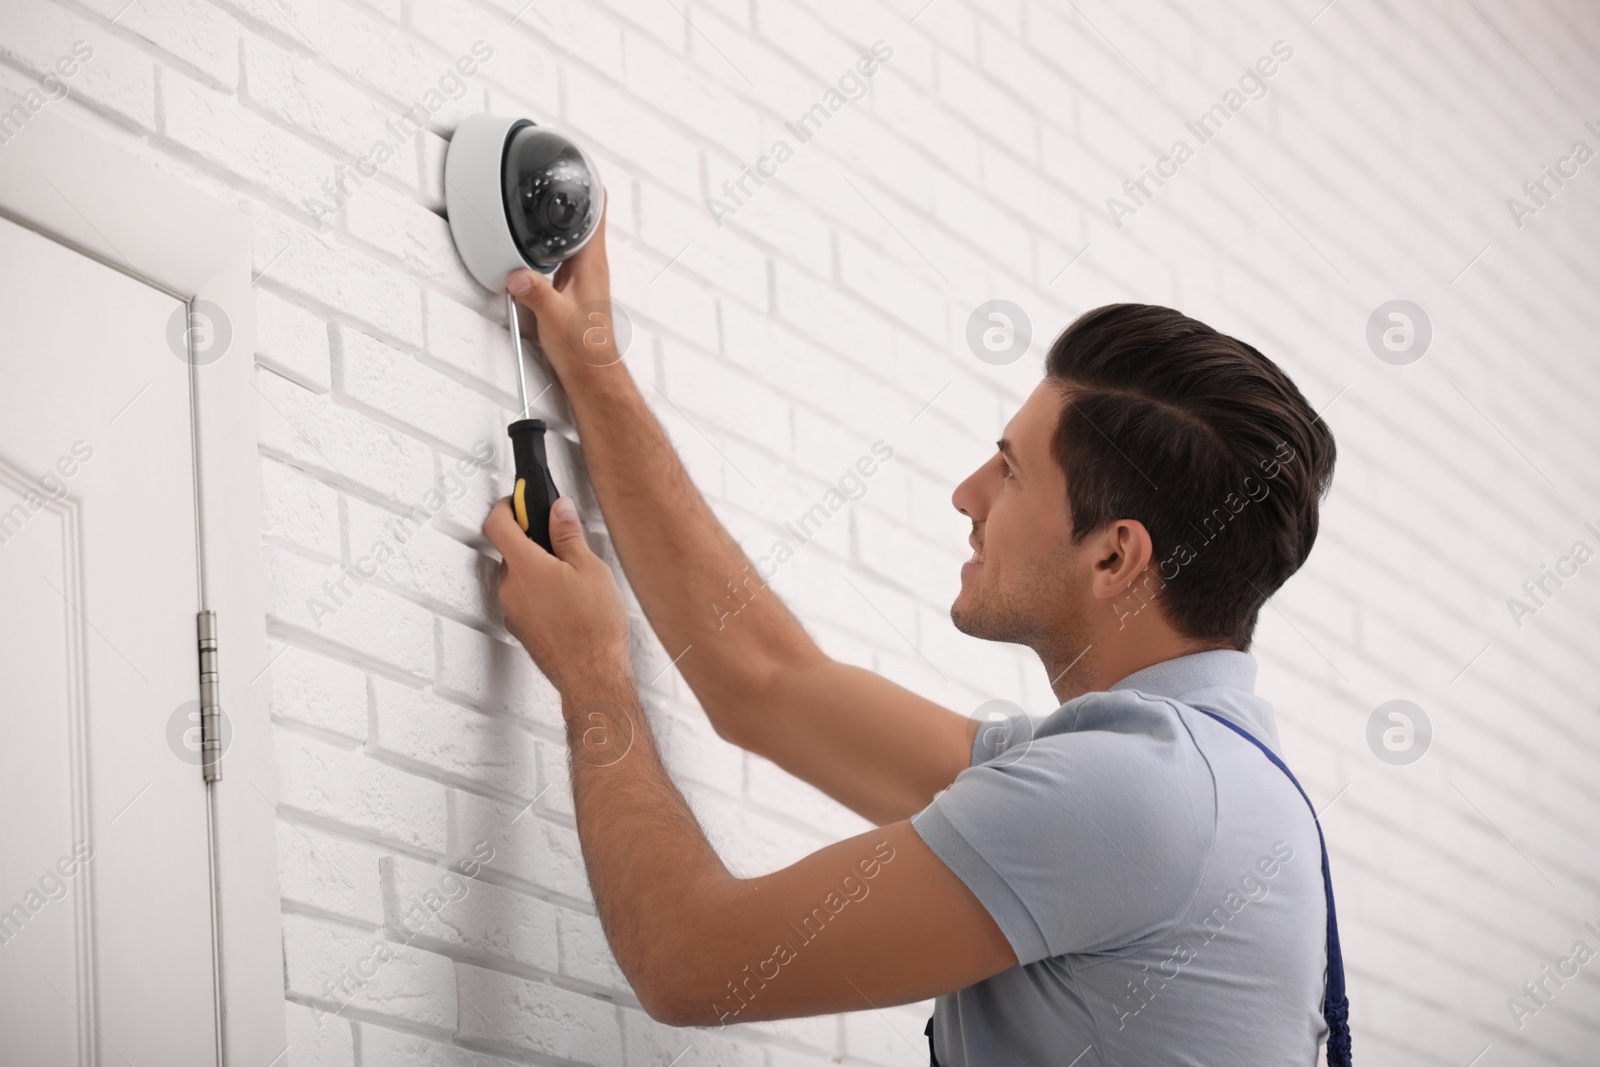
<point>1125,760</point>
<point>1110,735</point>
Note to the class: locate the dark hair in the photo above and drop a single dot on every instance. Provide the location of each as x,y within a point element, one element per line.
<point>1203,440</point>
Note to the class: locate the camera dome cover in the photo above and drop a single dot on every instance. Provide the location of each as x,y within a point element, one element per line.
<point>518,195</point>
<point>552,194</point>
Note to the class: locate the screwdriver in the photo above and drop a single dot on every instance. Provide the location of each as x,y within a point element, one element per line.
<point>535,490</point>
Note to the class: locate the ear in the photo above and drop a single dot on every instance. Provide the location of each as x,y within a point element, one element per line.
<point>1123,552</point>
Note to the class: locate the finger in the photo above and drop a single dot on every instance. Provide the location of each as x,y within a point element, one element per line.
<point>533,290</point>
<point>517,549</point>
<point>590,262</point>
<point>566,532</point>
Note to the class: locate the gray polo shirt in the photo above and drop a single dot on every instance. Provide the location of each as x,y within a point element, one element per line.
<point>1158,877</point>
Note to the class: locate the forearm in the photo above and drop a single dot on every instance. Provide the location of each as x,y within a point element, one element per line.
<point>650,866</point>
<point>694,582</point>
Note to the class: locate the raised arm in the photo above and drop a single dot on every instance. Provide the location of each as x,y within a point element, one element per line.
<point>874,746</point>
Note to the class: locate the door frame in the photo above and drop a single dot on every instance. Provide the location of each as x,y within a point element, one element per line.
<point>80,190</point>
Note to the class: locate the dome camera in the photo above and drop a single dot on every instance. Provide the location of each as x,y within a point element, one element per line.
<point>518,195</point>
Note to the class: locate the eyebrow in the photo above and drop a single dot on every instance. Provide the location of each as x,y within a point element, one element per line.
<point>1004,445</point>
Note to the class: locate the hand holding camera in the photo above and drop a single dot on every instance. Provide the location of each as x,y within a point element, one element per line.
<point>526,207</point>
<point>572,311</point>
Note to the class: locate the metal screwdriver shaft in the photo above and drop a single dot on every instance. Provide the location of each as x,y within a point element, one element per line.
<point>516,346</point>
<point>535,490</point>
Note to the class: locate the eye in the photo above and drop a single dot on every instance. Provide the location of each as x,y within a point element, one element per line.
<point>1005,468</point>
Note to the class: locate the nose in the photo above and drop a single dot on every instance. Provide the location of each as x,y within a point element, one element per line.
<point>968,497</point>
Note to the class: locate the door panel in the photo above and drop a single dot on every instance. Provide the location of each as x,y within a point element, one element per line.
<point>105,908</point>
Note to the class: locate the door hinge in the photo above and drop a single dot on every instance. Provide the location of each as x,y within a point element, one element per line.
<point>210,699</point>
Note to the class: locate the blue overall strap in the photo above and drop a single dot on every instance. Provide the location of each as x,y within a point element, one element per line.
<point>1335,1005</point>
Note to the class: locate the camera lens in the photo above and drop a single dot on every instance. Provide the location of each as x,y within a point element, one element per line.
<point>553,196</point>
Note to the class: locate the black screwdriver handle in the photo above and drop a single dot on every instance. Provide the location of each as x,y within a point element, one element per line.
<point>535,491</point>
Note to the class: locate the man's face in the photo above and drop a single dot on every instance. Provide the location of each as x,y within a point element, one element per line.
<point>1019,585</point>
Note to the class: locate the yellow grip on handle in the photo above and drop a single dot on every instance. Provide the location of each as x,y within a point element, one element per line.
<point>519,504</point>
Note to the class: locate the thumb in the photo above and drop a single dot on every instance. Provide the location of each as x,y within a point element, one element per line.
<point>566,532</point>
<point>532,288</point>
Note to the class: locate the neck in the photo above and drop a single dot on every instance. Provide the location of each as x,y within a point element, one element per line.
<point>1093,667</point>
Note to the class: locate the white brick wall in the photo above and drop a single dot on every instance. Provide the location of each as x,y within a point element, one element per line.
<point>829,312</point>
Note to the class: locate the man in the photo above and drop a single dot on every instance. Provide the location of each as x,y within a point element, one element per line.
<point>1126,881</point>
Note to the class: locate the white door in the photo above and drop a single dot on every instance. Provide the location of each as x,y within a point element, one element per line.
<point>105,908</point>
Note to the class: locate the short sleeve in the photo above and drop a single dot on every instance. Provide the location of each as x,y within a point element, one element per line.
<point>1086,841</point>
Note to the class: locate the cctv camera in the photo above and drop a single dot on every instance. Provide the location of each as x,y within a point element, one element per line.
<point>519,195</point>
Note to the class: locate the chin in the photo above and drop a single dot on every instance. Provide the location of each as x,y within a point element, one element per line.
<point>992,615</point>
<point>967,616</point>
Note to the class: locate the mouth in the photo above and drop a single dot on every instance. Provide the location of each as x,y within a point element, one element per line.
<point>977,550</point>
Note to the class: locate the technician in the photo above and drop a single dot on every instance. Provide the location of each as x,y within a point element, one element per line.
<point>1131,880</point>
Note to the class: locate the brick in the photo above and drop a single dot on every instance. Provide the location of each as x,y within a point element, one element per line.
<point>327,781</point>
<point>292,341</point>
<point>197,35</point>
<point>327,873</point>
<point>585,32</point>
<point>518,63</point>
<point>687,238</point>
<point>828,316</point>
<point>381,1046</point>
<point>525,845</point>
<point>502,1011</point>
<point>441,908</point>
<point>299,509</point>
<point>394,384</point>
<point>329,963</point>
<point>413,233</point>
<point>708,391</point>
<point>327,603</point>
<point>227,135</point>
<point>305,96</point>
<point>496,675</point>
<point>668,299</point>
<point>386,302</point>
<point>656,74</point>
<point>344,446</point>
<point>461,336</point>
<point>585,955</point>
<point>419,726</point>
<point>116,76</point>
<point>782,793</point>
<point>330,1044</point>
<point>318,691</point>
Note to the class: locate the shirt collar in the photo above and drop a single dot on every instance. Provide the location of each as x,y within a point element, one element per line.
<point>1223,668</point>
